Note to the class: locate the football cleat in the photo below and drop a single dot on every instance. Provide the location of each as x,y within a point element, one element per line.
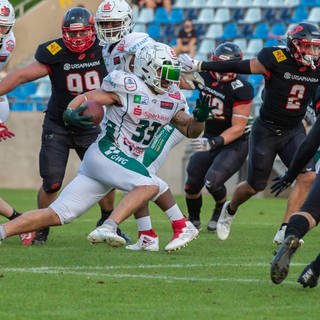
<point>41,236</point>
<point>279,236</point>
<point>224,222</point>
<point>106,233</point>
<point>146,243</point>
<point>182,236</point>
<point>27,238</point>
<point>281,261</point>
<point>308,277</point>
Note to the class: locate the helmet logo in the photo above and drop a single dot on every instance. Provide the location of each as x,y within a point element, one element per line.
<point>108,6</point>
<point>296,29</point>
<point>5,11</point>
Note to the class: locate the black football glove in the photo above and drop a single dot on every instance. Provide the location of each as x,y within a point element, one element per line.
<point>73,117</point>
<point>280,183</point>
<point>202,109</point>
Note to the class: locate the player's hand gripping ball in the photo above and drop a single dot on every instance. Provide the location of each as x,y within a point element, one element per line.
<point>95,110</point>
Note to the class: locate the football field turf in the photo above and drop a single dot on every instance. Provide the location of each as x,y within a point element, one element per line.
<point>68,278</point>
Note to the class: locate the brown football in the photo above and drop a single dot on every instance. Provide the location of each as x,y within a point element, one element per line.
<point>95,110</point>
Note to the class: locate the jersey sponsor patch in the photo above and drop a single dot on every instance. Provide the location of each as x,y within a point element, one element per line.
<point>130,84</point>
<point>3,58</point>
<point>140,99</point>
<point>9,45</point>
<point>279,55</point>
<point>116,60</point>
<point>54,48</point>
<point>236,84</point>
<point>166,105</point>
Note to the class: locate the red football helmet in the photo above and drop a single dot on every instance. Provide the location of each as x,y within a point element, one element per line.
<point>78,29</point>
<point>303,42</point>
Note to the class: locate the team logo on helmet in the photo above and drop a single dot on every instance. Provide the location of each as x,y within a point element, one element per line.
<point>5,11</point>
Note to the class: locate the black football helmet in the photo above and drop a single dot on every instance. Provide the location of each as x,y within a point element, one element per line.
<point>78,31</point>
<point>303,42</point>
<point>226,51</point>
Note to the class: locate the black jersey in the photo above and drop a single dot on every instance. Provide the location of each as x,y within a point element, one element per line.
<point>224,96</point>
<point>289,87</point>
<point>70,73</point>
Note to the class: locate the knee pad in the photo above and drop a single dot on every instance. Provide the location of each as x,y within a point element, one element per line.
<point>191,189</point>
<point>217,194</point>
<point>51,188</point>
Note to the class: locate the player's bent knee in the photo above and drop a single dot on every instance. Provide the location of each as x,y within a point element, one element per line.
<point>163,187</point>
<point>51,188</point>
<point>306,178</point>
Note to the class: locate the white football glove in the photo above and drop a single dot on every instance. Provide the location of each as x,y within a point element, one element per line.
<point>200,144</point>
<point>191,78</point>
<point>189,64</point>
<point>247,128</point>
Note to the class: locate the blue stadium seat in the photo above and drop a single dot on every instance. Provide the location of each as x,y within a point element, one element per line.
<point>191,14</point>
<point>307,3</point>
<point>271,43</point>
<point>140,27</point>
<point>299,14</point>
<point>314,15</point>
<point>256,80</point>
<point>241,43</point>
<point>252,15</point>
<point>230,31</point>
<point>222,15</point>
<point>237,14</point>
<point>154,31</point>
<point>285,14</point>
<point>206,47</point>
<point>161,15</point>
<point>246,31</point>
<point>146,15</point>
<point>21,106</point>
<point>278,30</point>
<point>214,31</point>
<point>261,31</point>
<point>206,16</point>
<point>201,29</point>
<point>177,15</point>
<point>270,15</point>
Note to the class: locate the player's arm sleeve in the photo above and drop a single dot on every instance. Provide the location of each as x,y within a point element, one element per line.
<point>305,152</point>
<point>237,66</point>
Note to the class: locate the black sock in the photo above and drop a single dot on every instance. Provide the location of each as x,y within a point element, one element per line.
<point>230,211</point>
<point>105,214</point>
<point>316,265</point>
<point>298,226</point>
<point>194,207</point>
<point>14,215</point>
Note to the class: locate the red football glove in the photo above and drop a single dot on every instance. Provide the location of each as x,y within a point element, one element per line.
<point>4,132</point>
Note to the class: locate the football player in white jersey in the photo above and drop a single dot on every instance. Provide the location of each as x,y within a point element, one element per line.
<point>7,44</point>
<point>111,162</point>
<point>113,21</point>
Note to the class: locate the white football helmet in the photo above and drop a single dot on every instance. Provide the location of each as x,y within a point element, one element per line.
<point>113,20</point>
<point>7,16</point>
<point>158,65</point>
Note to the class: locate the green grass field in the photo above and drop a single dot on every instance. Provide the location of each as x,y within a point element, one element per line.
<point>68,278</point>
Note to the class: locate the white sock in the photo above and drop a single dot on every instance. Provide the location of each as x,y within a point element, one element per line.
<point>3,234</point>
<point>144,223</point>
<point>174,213</point>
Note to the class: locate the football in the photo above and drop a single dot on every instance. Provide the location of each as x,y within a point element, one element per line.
<point>95,110</point>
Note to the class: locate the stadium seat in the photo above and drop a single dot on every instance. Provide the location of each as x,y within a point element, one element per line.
<point>246,31</point>
<point>270,15</point>
<point>314,15</point>
<point>271,43</point>
<point>222,15</point>
<point>215,31</point>
<point>253,15</point>
<point>242,43</point>
<point>307,3</point>
<point>201,29</point>
<point>275,4</point>
<point>291,3</point>
<point>229,3</point>
<point>199,4</point>
<point>181,4</point>
<point>191,14</point>
<point>206,16</point>
<point>177,16</point>
<point>256,80</point>
<point>154,31</point>
<point>254,46</point>
<point>278,30</point>
<point>261,31</point>
<point>285,14</point>
<point>206,46</point>
<point>230,31</point>
<point>161,15</point>
<point>259,3</point>
<point>168,32</point>
<point>213,3</point>
<point>244,3</point>
<point>299,14</point>
<point>146,15</point>
<point>237,14</point>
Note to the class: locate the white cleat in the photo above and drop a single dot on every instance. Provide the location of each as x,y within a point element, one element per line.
<point>182,237</point>
<point>145,243</point>
<point>279,237</point>
<point>106,233</point>
<point>224,223</point>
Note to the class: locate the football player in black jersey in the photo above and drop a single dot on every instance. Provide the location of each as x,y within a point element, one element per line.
<point>75,65</point>
<point>224,145</point>
<point>304,219</point>
<point>291,76</point>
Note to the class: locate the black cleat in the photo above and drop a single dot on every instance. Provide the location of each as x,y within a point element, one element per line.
<point>281,261</point>
<point>308,277</point>
<point>212,224</point>
<point>41,236</point>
